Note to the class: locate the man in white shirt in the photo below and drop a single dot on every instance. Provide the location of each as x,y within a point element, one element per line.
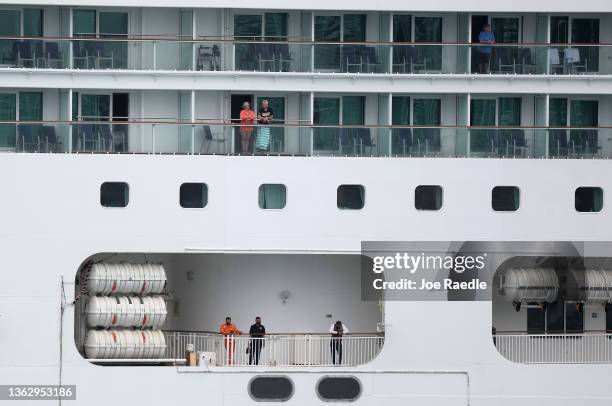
<point>337,330</point>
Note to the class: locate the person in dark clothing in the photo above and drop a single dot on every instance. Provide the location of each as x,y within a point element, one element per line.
<point>337,330</point>
<point>265,115</point>
<point>257,332</point>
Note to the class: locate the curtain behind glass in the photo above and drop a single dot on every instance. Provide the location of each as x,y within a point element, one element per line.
<point>354,28</point>
<point>272,196</point>
<point>402,28</point>
<point>84,22</point>
<point>276,26</point>
<point>8,112</point>
<point>509,111</point>
<point>32,22</point>
<point>30,106</point>
<point>95,107</point>
<point>327,28</point>
<point>353,110</point>
<point>584,113</point>
<point>326,111</point>
<point>429,29</point>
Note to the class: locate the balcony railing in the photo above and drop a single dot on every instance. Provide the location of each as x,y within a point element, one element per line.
<point>304,56</point>
<point>206,137</point>
<point>587,348</point>
<point>278,349</point>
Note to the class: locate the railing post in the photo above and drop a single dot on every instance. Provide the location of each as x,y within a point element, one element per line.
<point>154,55</point>
<point>153,138</point>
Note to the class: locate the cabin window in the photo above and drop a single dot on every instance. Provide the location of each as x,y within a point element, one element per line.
<point>558,318</point>
<point>271,388</point>
<point>351,197</point>
<point>114,194</point>
<point>609,319</point>
<point>272,196</point>
<point>589,199</point>
<point>338,389</point>
<point>193,195</point>
<point>505,198</point>
<point>428,197</point>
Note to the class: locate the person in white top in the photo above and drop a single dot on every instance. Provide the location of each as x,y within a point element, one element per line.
<point>337,330</point>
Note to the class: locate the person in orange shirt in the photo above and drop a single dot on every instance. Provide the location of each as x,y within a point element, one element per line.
<point>229,331</point>
<point>247,116</point>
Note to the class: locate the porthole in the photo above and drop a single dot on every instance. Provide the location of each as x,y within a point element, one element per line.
<point>271,388</point>
<point>339,388</point>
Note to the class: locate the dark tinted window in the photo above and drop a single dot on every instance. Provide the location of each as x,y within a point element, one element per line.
<point>351,197</point>
<point>193,195</point>
<point>114,194</point>
<point>505,198</point>
<point>609,318</point>
<point>574,318</point>
<point>589,199</point>
<point>554,318</point>
<point>345,388</point>
<point>271,388</point>
<point>536,319</point>
<point>428,197</point>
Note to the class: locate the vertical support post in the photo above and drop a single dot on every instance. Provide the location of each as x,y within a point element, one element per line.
<point>69,119</point>
<point>311,120</point>
<point>71,43</point>
<point>192,119</point>
<point>547,122</point>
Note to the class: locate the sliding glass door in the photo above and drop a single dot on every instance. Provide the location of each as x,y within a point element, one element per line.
<point>8,112</point>
<point>326,112</point>
<point>427,113</point>
<point>401,138</point>
<point>247,27</point>
<point>10,26</point>
<point>429,29</point>
<point>482,114</point>
<point>586,31</point>
<point>95,107</point>
<point>114,25</point>
<point>327,28</point>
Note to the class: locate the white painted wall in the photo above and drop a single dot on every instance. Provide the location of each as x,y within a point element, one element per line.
<point>244,286</point>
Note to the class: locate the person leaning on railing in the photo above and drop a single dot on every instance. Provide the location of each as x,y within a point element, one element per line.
<point>337,330</point>
<point>229,331</point>
<point>257,332</point>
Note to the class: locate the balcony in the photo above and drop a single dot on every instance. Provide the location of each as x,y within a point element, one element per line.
<point>301,56</point>
<point>587,348</point>
<point>280,350</point>
<point>205,137</point>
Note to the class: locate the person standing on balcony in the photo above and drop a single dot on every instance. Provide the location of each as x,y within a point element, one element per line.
<point>247,116</point>
<point>229,331</point>
<point>337,330</point>
<point>257,332</point>
<point>265,115</point>
<point>486,38</point>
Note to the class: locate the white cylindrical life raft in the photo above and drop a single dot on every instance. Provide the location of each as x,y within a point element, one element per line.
<point>125,344</point>
<point>597,286</point>
<point>126,311</point>
<point>126,278</point>
<point>530,285</point>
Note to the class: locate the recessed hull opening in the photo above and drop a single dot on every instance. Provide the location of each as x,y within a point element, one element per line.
<point>171,308</point>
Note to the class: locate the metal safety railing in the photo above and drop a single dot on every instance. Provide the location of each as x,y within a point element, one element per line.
<point>277,349</point>
<point>586,348</point>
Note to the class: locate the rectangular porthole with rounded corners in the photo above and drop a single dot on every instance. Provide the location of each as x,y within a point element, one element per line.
<point>193,195</point>
<point>588,199</point>
<point>338,389</point>
<point>428,197</point>
<point>505,198</point>
<point>350,197</point>
<point>114,194</point>
<point>271,388</point>
<point>272,196</point>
